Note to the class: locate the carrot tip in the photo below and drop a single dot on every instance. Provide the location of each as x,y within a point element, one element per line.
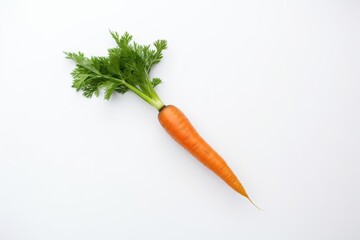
<point>254,204</point>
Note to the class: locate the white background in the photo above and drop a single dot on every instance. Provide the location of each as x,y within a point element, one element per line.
<point>274,86</point>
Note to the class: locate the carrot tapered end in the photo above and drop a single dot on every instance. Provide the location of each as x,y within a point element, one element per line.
<point>254,204</point>
<point>240,189</point>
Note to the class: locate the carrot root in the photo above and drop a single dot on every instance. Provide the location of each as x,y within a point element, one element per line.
<point>181,130</point>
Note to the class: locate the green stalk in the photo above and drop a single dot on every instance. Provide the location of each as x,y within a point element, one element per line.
<point>154,101</point>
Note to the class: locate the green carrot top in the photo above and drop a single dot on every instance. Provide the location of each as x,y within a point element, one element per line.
<point>127,67</point>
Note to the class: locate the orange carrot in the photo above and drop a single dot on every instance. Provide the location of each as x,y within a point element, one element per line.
<point>179,128</point>
<point>127,68</point>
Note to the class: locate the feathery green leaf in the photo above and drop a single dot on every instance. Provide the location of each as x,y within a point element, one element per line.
<point>127,67</point>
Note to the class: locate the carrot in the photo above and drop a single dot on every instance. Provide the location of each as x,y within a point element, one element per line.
<point>127,68</point>
<point>182,131</point>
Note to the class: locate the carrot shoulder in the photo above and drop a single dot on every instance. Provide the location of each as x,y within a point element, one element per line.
<point>179,128</point>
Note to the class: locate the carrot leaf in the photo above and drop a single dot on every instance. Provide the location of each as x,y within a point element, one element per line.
<point>127,67</point>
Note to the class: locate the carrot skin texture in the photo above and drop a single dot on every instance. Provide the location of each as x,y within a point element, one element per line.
<point>181,130</point>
